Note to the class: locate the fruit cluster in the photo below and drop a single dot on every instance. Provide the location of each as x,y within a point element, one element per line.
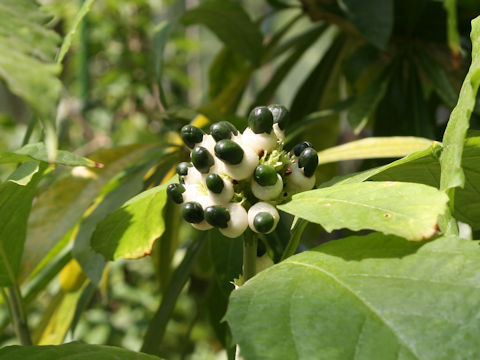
<point>235,179</point>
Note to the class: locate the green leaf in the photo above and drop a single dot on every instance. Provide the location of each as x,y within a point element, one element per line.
<point>27,51</point>
<point>423,167</point>
<point>372,18</point>
<point>38,152</point>
<point>61,206</point>
<point>67,41</point>
<point>229,21</point>
<point>312,90</point>
<point>374,148</point>
<point>130,231</point>
<point>73,350</point>
<point>367,101</point>
<point>456,131</point>
<point>404,209</point>
<point>453,36</point>
<point>265,95</point>
<point>363,297</point>
<point>161,34</point>
<point>437,76</point>
<point>361,58</point>
<point>15,204</point>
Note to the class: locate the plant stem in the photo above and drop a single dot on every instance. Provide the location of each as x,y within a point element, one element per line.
<point>17,314</point>
<point>249,255</point>
<point>292,245</point>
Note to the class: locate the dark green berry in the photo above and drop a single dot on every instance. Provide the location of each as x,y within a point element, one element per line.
<point>192,212</point>
<point>308,160</point>
<point>265,175</point>
<point>229,151</point>
<point>263,222</point>
<point>260,120</point>
<point>191,135</point>
<point>281,116</point>
<point>202,159</point>
<point>175,191</point>
<point>298,149</point>
<point>182,168</point>
<point>214,183</point>
<point>217,216</point>
<point>223,130</point>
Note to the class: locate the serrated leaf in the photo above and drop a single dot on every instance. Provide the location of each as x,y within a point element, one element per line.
<point>363,297</point>
<point>130,231</point>
<point>453,139</point>
<point>403,209</point>
<point>373,19</point>
<point>374,148</point>
<point>38,152</point>
<point>15,204</point>
<point>77,350</point>
<point>229,21</point>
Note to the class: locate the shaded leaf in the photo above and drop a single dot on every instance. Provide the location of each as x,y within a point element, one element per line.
<point>76,350</point>
<point>161,34</point>
<point>367,101</point>
<point>130,231</point>
<point>38,152</point>
<point>229,21</point>
<point>456,131</point>
<point>404,209</point>
<point>372,18</point>
<point>374,148</point>
<point>15,204</point>
<point>363,297</point>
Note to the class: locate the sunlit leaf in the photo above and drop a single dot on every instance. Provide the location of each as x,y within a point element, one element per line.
<point>404,209</point>
<point>130,231</point>
<point>363,297</point>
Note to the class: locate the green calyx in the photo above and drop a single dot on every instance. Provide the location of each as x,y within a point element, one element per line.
<point>263,222</point>
<point>229,151</point>
<point>191,135</point>
<point>298,149</point>
<point>260,120</point>
<point>217,216</point>
<point>214,183</point>
<point>192,212</point>
<point>182,168</point>
<point>223,130</point>
<point>281,116</point>
<point>202,159</point>
<point>175,191</point>
<point>308,160</point>
<point>265,175</point>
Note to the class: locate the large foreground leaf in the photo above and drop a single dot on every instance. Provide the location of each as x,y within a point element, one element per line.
<point>74,350</point>
<point>130,231</point>
<point>403,209</point>
<point>370,297</point>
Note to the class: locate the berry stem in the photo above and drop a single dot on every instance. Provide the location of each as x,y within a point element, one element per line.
<point>249,254</point>
<point>295,236</point>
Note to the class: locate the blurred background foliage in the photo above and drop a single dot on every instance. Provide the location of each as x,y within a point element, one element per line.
<point>138,70</point>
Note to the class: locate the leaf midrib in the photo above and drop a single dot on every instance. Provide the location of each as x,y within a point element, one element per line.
<point>363,301</point>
